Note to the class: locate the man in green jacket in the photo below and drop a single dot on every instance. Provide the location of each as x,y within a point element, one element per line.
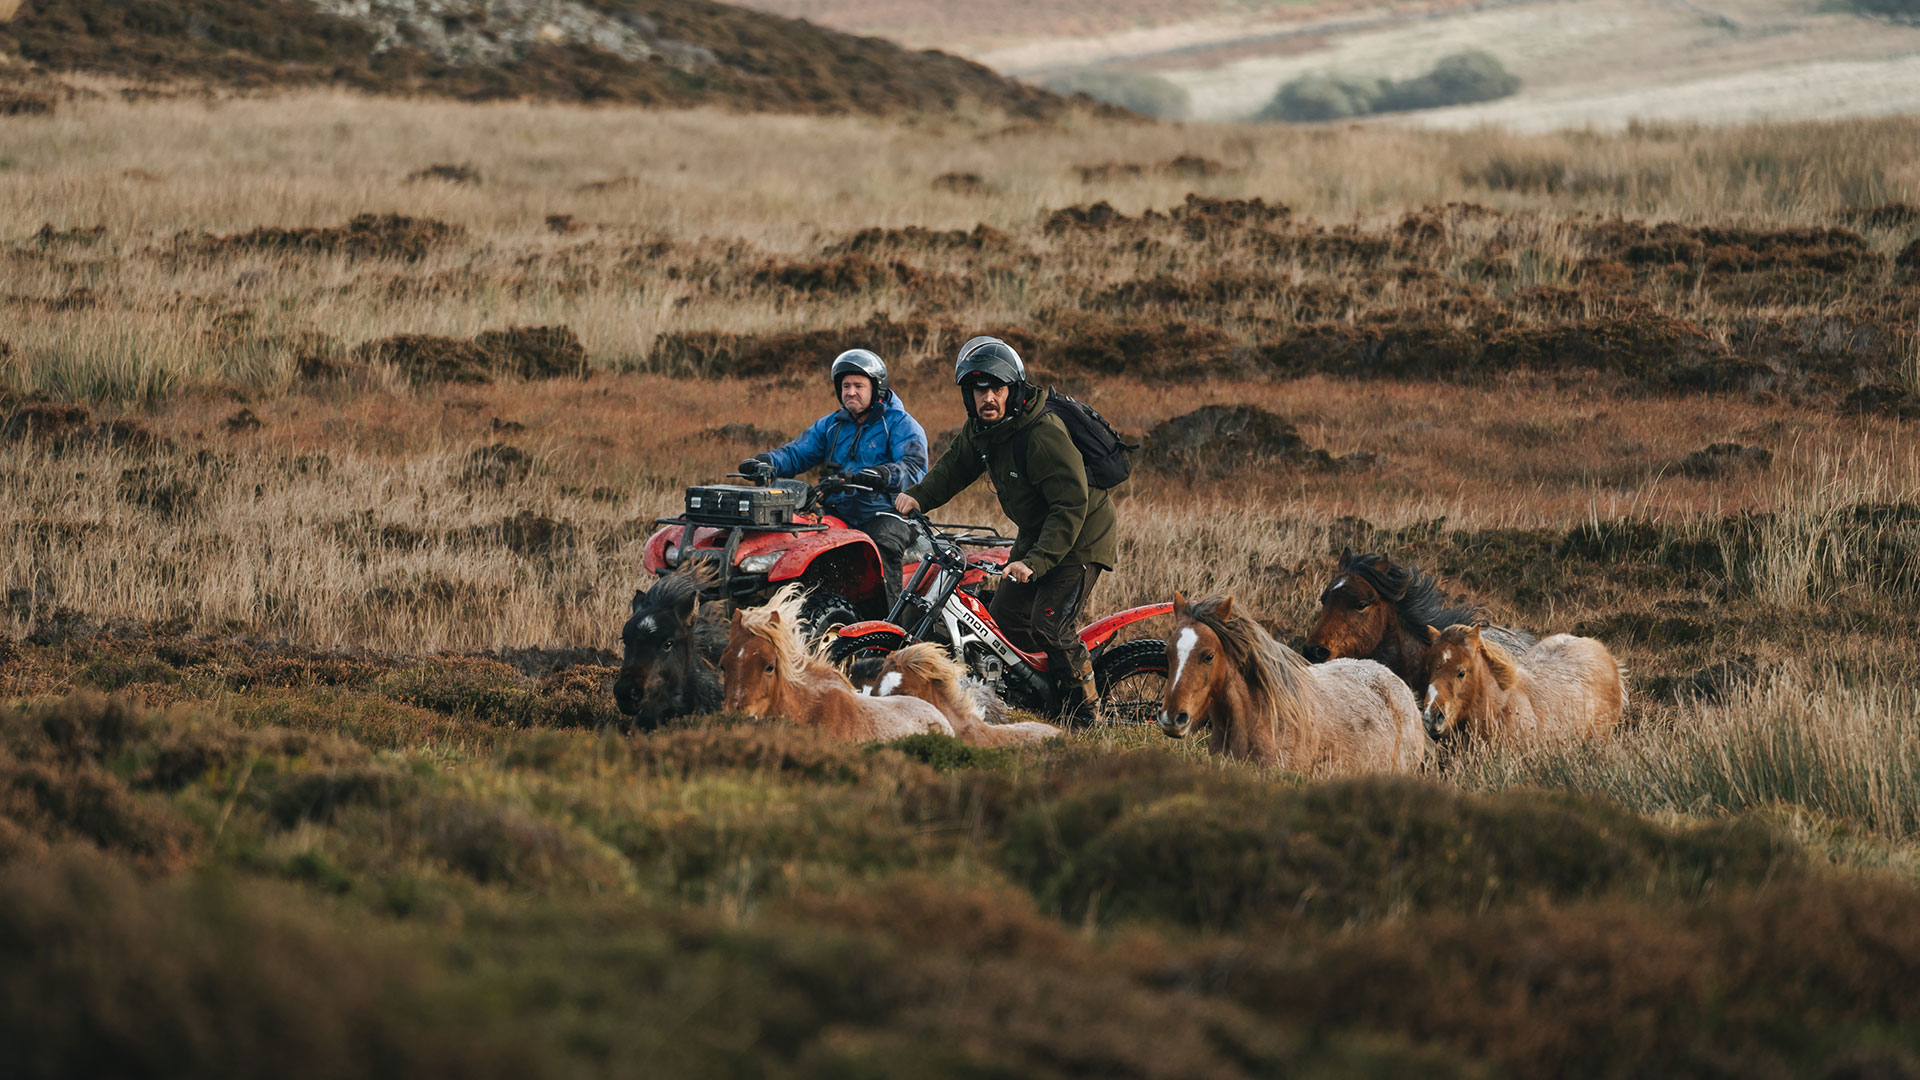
<point>1068,531</point>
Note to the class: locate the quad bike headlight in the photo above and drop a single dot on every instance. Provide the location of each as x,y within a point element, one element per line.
<point>761,563</point>
<point>673,554</point>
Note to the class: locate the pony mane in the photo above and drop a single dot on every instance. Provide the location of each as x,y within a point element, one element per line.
<point>681,586</point>
<point>1273,671</point>
<point>789,646</point>
<point>931,662</point>
<point>1506,670</point>
<point>1415,594</point>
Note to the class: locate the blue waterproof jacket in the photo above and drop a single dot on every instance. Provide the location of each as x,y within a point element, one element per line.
<point>889,438</point>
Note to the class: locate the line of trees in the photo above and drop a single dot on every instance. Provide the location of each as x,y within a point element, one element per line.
<point>1461,78</point>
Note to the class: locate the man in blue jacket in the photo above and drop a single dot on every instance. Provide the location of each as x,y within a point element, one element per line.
<point>872,439</point>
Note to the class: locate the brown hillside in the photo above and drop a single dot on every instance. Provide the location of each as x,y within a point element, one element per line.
<point>684,52</point>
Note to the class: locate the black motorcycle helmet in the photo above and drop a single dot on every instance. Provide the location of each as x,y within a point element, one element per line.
<point>988,361</point>
<point>862,362</point>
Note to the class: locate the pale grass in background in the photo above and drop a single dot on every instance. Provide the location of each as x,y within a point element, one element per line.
<point>1805,735</point>
<point>786,187</point>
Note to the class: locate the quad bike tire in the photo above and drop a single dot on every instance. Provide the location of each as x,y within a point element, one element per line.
<point>825,609</point>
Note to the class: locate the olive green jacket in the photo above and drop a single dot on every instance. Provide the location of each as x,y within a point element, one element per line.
<point>1061,520</point>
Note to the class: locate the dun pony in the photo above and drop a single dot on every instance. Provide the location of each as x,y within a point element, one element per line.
<point>925,671</point>
<point>1378,610</point>
<point>770,672</point>
<point>1263,702</point>
<point>1564,688</point>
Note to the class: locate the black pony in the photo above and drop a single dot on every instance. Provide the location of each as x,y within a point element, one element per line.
<point>671,652</point>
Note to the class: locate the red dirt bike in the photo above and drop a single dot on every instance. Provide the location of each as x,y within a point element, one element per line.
<point>936,606</point>
<point>758,537</point>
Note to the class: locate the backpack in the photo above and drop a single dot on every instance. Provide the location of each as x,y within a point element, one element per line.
<point>1101,447</point>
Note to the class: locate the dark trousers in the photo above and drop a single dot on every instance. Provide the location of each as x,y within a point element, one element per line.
<point>1043,615</point>
<point>893,535</point>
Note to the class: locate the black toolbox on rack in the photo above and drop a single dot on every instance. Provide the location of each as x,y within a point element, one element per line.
<point>739,504</point>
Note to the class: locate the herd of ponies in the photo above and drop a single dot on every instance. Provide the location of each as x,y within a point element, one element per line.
<point>1390,675</point>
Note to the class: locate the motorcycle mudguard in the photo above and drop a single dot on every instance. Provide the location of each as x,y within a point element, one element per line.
<point>1099,633</point>
<point>871,626</point>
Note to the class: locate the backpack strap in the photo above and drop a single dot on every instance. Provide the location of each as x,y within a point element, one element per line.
<point>1024,437</point>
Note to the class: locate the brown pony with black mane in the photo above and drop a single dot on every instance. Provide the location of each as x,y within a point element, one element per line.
<point>1261,701</point>
<point>1378,610</point>
<point>925,671</point>
<point>770,672</point>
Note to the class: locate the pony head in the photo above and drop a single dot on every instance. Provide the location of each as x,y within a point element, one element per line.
<point>765,652</point>
<point>657,637</point>
<point>1356,610</point>
<point>1466,675</point>
<point>1199,664</point>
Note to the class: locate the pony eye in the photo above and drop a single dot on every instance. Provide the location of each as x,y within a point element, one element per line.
<point>1206,657</point>
<point>769,669</point>
<point>1362,605</point>
<point>668,647</point>
<point>1461,674</point>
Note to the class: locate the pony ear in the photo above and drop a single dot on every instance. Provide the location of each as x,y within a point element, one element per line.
<point>773,617</point>
<point>1225,610</point>
<point>1433,634</point>
<point>1346,556</point>
<point>639,597</point>
<point>687,607</point>
<point>1179,602</point>
<point>737,620</point>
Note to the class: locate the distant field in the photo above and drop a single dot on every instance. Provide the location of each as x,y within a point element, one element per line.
<point>1740,60</point>
<point>987,24</point>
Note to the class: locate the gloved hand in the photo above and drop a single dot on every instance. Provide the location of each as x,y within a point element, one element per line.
<point>760,464</point>
<point>872,476</point>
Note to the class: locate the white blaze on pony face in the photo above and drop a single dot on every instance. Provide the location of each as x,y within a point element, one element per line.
<point>1182,652</point>
<point>888,684</point>
<point>1177,712</point>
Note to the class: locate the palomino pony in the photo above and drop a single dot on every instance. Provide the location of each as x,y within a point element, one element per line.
<point>1564,688</point>
<point>925,671</point>
<point>770,672</point>
<point>1380,611</point>
<point>668,668</point>
<point>1263,702</point>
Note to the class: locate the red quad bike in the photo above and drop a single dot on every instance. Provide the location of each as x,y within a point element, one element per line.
<point>937,605</point>
<point>758,538</point>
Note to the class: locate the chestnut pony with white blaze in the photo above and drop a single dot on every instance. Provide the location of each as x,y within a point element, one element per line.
<point>925,671</point>
<point>770,672</point>
<point>1564,688</point>
<point>1263,702</point>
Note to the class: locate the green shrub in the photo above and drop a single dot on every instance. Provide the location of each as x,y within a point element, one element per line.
<point>1318,97</point>
<point>1457,79</point>
<point>1148,95</point>
<point>1898,10</point>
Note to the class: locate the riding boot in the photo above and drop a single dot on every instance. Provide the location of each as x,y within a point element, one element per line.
<point>1079,699</point>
